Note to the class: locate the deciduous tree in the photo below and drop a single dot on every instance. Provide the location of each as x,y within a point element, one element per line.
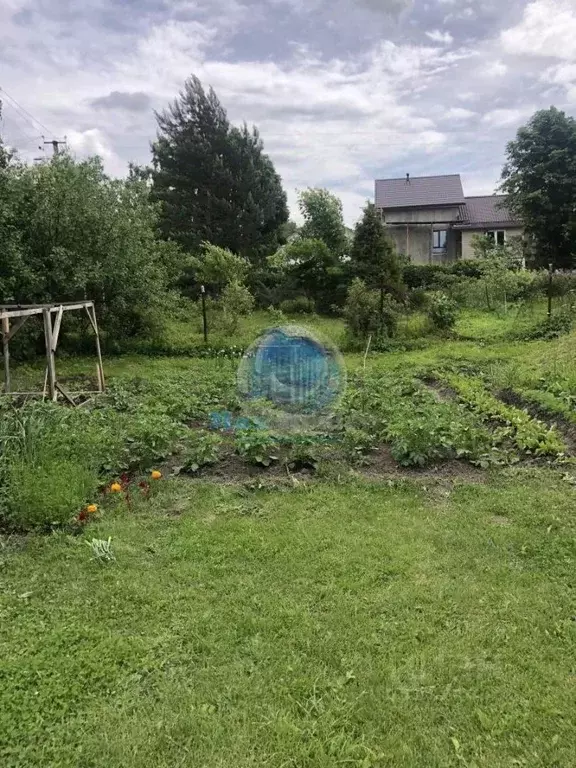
<point>540,180</point>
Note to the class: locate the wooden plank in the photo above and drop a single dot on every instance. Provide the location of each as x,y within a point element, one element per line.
<point>56,331</point>
<point>20,312</point>
<point>16,327</point>
<point>6,352</point>
<point>67,395</point>
<point>99,364</point>
<point>50,358</point>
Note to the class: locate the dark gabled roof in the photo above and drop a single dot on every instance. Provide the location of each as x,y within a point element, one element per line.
<point>486,211</point>
<point>420,191</point>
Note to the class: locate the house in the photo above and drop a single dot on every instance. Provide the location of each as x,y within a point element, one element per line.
<point>432,222</point>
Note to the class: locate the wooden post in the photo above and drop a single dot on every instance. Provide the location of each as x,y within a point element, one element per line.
<point>6,352</point>
<point>99,365</point>
<point>50,357</point>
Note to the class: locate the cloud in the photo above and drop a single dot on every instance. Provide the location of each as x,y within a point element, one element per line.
<point>336,106</point>
<point>505,118</point>
<point>458,113</point>
<point>547,28</point>
<point>131,102</point>
<point>440,37</point>
<point>495,69</point>
<point>392,7</point>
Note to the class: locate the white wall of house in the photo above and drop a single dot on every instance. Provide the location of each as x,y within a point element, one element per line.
<point>467,235</point>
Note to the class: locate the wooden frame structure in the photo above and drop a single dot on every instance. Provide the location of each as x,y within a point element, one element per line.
<point>13,317</point>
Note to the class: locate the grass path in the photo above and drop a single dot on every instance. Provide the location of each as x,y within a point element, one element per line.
<point>331,625</point>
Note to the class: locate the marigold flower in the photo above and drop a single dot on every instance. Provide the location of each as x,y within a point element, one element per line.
<point>156,474</point>
<point>115,487</point>
<point>92,508</point>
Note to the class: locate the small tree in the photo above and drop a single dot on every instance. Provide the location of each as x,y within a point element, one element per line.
<point>322,212</point>
<point>236,301</point>
<point>374,258</point>
<point>217,267</point>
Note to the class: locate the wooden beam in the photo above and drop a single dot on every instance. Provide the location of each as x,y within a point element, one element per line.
<point>6,352</point>
<point>67,395</point>
<point>16,327</point>
<point>50,357</point>
<point>99,365</point>
<point>56,331</point>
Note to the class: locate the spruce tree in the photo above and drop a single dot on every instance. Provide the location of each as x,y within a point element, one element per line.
<point>373,257</point>
<point>214,181</point>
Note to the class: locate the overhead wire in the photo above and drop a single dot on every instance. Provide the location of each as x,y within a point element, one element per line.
<point>24,112</point>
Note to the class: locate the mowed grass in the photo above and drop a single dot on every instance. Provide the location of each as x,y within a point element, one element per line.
<point>342,624</point>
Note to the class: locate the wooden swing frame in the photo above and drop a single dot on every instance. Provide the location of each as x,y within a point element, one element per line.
<point>13,317</point>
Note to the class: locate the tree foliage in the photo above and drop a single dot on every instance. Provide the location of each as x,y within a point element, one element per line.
<point>322,212</point>
<point>68,231</point>
<point>373,256</point>
<point>214,181</point>
<point>216,267</point>
<point>540,180</point>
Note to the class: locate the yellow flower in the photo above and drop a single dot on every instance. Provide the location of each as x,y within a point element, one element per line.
<point>156,474</point>
<point>92,508</point>
<point>115,487</point>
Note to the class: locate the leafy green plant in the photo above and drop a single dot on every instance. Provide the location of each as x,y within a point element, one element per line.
<point>530,435</point>
<point>200,449</point>
<point>442,311</point>
<point>256,447</point>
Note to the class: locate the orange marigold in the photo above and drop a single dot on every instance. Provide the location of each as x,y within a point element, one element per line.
<point>156,474</point>
<point>115,487</point>
<point>92,508</point>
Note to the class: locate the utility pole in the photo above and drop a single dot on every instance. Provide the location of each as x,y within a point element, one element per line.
<point>55,145</point>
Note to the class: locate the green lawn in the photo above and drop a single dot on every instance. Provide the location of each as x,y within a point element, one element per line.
<point>427,620</point>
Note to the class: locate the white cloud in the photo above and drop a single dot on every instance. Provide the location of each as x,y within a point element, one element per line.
<point>505,118</point>
<point>495,69</point>
<point>440,37</point>
<point>459,113</point>
<point>548,28</point>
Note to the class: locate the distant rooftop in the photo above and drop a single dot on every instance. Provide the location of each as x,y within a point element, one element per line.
<point>489,210</point>
<point>418,191</point>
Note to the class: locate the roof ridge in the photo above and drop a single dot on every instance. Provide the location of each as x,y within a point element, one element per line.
<point>482,197</point>
<point>433,176</point>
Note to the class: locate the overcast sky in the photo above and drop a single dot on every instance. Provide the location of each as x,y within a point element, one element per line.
<point>343,91</point>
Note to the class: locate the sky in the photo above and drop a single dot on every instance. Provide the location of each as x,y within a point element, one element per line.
<point>343,92</point>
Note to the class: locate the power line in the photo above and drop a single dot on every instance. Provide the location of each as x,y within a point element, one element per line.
<point>30,118</point>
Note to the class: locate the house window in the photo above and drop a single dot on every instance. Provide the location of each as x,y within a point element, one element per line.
<point>497,235</point>
<point>440,237</point>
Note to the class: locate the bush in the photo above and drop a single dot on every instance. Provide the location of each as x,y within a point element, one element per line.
<point>364,316</point>
<point>442,311</point>
<point>236,301</point>
<point>301,305</point>
<point>427,276</point>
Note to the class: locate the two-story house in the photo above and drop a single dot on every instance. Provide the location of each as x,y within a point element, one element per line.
<point>432,222</point>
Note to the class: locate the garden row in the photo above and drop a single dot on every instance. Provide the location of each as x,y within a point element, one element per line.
<point>55,460</point>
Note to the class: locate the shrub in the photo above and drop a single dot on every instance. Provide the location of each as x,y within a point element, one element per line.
<point>236,301</point>
<point>365,316</point>
<point>301,305</point>
<point>442,311</point>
